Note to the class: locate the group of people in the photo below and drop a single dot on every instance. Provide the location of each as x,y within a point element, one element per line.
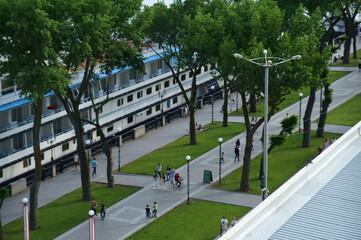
<point>93,164</point>
<point>170,175</point>
<point>149,214</point>
<point>224,224</point>
<point>326,144</point>
<point>94,206</point>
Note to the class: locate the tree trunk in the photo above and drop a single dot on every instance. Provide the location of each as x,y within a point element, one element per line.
<point>349,31</point>
<point>354,47</point>
<point>108,153</point>
<point>34,189</point>
<point>252,103</point>
<point>192,130</point>
<point>323,115</point>
<point>307,118</point>
<point>225,103</point>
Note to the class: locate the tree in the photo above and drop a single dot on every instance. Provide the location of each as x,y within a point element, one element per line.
<point>91,32</point>
<point>324,107</point>
<point>184,32</point>
<point>4,193</point>
<point>30,63</point>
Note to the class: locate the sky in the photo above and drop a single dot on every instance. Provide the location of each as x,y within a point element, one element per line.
<point>151,2</point>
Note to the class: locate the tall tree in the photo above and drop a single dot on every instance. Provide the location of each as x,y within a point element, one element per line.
<point>4,193</point>
<point>183,31</point>
<point>91,33</point>
<point>32,64</point>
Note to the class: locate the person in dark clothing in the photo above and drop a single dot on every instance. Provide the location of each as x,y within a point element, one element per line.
<point>236,152</point>
<point>103,210</point>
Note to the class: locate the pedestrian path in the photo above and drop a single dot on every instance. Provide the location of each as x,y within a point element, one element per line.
<point>128,215</point>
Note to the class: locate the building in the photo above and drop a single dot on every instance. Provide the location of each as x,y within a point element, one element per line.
<point>138,103</point>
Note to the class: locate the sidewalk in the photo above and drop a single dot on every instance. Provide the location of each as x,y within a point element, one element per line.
<point>128,215</point>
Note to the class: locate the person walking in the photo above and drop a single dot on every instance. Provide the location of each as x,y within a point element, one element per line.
<point>168,172</point>
<point>172,172</point>
<point>93,206</point>
<point>164,181</point>
<point>236,152</point>
<point>238,143</point>
<point>224,224</point>
<point>234,221</point>
<point>155,210</point>
<point>359,64</point>
<point>103,210</point>
<point>76,161</point>
<point>147,213</point>
<point>94,166</point>
<point>155,179</point>
<point>159,169</point>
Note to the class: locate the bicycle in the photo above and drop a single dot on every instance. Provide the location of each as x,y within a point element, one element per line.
<point>175,185</point>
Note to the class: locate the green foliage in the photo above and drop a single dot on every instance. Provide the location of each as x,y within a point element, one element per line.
<point>289,124</point>
<point>174,153</point>
<point>66,212</point>
<point>287,159</point>
<point>4,193</point>
<point>197,220</point>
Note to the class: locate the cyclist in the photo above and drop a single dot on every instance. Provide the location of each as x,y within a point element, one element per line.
<point>178,179</point>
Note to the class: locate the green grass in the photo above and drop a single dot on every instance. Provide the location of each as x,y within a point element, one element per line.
<point>353,62</point>
<point>66,212</point>
<point>349,113</point>
<point>283,162</point>
<point>199,220</point>
<point>174,153</point>
<point>292,97</point>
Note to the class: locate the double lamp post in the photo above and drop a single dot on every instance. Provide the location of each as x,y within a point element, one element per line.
<point>266,63</point>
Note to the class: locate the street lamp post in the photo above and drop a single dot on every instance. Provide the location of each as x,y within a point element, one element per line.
<point>220,140</point>
<point>119,143</point>
<point>25,202</point>
<point>188,158</point>
<point>91,214</point>
<point>87,143</point>
<point>161,95</point>
<point>266,65</point>
<point>212,88</point>
<point>51,140</point>
<point>299,115</point>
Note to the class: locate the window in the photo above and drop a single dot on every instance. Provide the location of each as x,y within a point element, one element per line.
<point>130,98</point>
<point>14,117</point>
<point>120,102</point>
<point>175,100</point>
<point>157,108</point>
<point>160,64</point>
<point>206,68</point>
<point>157,87</point>
<point>101,110</point>
<point>130,119</point>
<point>42,157</point>
<point>174,81</point>
<point>149,91</point>
<point>27,163</point>
<point>183,77</point>
<point>139,94</point>
<point>166,84</point>
<point>149,111</point>
<point>109,129</point>
<point>1,173</point>
<point>65,146</point>
<point>131,74</point>
<point>190,74</point>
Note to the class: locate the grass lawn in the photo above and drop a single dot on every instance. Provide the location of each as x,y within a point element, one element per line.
<point>174,153</point>
<point>199,220</point>
<point>283,162</point>
<point>349,113</point>
<point>66,212</point>
<point>353,62</point>
<point>292,97</point>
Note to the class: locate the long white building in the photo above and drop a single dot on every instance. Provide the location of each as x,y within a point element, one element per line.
<point>148,100</point>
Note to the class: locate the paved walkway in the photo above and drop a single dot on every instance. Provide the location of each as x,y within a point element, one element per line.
<point>127,216</point>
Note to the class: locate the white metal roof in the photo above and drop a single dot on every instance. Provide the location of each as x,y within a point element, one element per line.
<point>321,201</point>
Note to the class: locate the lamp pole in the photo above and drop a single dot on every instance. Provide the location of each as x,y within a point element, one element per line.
<point>25,202</point>
<point>161,95</point>
<point>266,65</point>
<point>220,140</point>
<point>51,140</point>
<point>188,158</point>
<point>87,143</point>
<point>300,95</point>
<point>212,88</point>
<point>119,143</point>
<point>91,225</point>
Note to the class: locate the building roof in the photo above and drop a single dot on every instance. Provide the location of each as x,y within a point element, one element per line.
<point>321,201</point>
